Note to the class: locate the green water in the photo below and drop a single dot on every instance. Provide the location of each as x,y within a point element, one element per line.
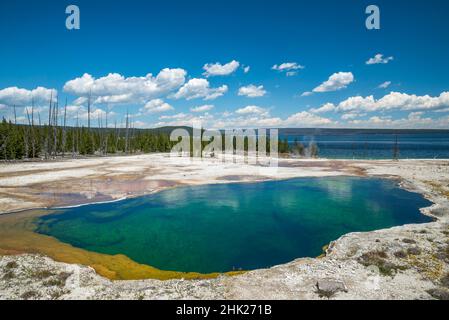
<point>218,228</point>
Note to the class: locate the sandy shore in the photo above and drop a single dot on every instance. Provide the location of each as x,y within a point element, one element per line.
<point>409,262</point>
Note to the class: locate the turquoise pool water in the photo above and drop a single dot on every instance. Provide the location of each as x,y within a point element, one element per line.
<point>219,228</point>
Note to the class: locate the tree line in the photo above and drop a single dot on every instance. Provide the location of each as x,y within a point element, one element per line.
<point>30,141</point>
<point>56,139</point>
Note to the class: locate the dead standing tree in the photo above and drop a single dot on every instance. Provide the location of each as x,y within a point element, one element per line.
<point>127,132</point>
<point>55,127</point>
<point>47,139</point>
<point>64,137</point>
<point>15,115</point>
<point>30,129</point>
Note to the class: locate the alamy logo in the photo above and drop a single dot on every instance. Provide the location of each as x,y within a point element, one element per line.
<point>72,22</point>
<point>373,20</point>
<point>258,147</point>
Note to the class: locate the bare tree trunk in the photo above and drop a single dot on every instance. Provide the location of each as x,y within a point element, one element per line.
<point>33,137</point>
<point>15,115</point>
<point>127,132</point>
<point>100,134</point>
<point>117,135</point>
<point>25,139</point>
<point>75,144</point>
<point>88,111</point>
<point>47,142</point>
<point>64,129</point>
<point>106,135</point>
<point>55,127</point>
<point>30,130</point>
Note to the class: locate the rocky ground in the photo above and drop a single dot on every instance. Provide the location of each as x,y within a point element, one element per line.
<point>407,262</point>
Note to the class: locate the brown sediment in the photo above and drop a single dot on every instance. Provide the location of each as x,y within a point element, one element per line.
<point>18,236</point>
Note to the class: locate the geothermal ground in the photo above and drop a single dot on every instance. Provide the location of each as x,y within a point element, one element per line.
<point>407,262</point>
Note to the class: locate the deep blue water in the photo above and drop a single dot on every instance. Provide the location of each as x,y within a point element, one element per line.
<point>218,228</point>
<point>362,145</point>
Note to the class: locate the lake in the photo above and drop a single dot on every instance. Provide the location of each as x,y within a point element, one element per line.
<point>373,144</point>
<point>219,228</point>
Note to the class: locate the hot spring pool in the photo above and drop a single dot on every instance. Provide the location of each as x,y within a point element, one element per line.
<point>219,228</point>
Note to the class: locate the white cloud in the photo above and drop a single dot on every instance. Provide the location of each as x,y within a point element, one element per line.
<point>391,101</point>
<point>175,116</point>
<point>379,59</point>
<point>183,119</point>
<point>252,91</point>
<point>252,110</point>
<point>246,69</point>
<point>337,81</point>
<point>352,115</point>
<point>413,120</point>
<point>289,67</point>
<point>205,108</point>
<point>156,106</point>
<point>74,109</point>
<point>23,97</point>
<point>384,85</point>
<point>217,69</point>
<point>140,124</point>
<point>442,110</point>
<point>306,119</point>
<point>30,110</point>
<point>116,89</point>
<point>94,115</point>
<point>325,108</point>
<point>303,119</point>
<point>306,94</point>
<point>199,88</point>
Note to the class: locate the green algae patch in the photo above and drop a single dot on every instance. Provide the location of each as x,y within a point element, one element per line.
<point>18,236</point>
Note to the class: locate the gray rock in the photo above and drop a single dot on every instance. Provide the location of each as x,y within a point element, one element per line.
<point>329,287</point>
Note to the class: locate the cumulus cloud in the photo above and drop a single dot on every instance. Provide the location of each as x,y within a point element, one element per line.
<point>306,119</point>
<point>217,69</point>
<point>413,120</point>
<point>205,108</point>
<point>156,106</point>
<point>199,88</point>
<point>379,59</point>
<point>252,91</point>
<point>290,68</point>
<point>351,116</point>
<point>183,119</point>
<point>252,110</point>
<point>246,69</point>
<point>117,89</point>
<point>337,81</point>
<point>391,101</point>
<point>140,124</point>
<point>94,114</point>
<point>328,107</point>
<point>384,85</point>
<point>23,97</point>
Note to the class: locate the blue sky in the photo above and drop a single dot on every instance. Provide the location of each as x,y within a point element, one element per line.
<point>321,50</point>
